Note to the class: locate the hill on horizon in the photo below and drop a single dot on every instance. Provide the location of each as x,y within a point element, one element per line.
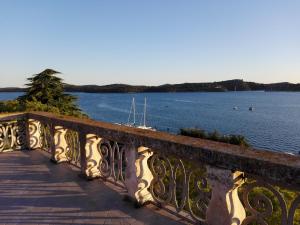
<point>220,86</point>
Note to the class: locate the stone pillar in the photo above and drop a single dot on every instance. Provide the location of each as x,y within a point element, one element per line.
<point>34,134</point>
<point>60,145</point>
<point>225,207</point>
<point>138,176</point>
<point>92,156</point>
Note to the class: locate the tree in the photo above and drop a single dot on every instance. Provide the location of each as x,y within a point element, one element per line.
<point>45,92</point>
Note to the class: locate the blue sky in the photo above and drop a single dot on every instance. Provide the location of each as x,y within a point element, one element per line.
<point>150,42</point>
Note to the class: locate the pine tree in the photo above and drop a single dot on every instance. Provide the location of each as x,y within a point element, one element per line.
<point>45,92</point>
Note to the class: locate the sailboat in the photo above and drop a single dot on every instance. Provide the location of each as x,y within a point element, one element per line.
<point>132,116</point>
<point>143,125</point>
<point>132,111</point>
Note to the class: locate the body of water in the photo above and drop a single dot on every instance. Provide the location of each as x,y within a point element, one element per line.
<point>274,124</point>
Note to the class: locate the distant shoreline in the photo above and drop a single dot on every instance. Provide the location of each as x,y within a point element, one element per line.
<point>222,86</point>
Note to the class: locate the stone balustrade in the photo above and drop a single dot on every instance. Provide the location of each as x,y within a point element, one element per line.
<point>206,182</point>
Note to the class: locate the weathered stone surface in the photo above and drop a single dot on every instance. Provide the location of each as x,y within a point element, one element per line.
<point>277,167</point>
<point>61,146</point>
<point>93,157</point>
<point>138,174</point>
<point>34,129</point>
<point>225,206</point>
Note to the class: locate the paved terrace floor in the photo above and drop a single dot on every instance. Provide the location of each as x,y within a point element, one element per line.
<point>35,191</point>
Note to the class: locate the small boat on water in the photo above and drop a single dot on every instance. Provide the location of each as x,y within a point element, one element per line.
<point>235,108</point>
<point>251,108</point>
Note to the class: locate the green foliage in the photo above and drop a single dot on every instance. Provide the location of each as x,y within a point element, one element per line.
<point>44,87</point>
<point>275,219</point>
<point>215,136</point>
<point>10,106</point>
<point>45,92</point>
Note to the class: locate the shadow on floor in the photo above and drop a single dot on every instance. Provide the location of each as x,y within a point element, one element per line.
<point>35,191</point>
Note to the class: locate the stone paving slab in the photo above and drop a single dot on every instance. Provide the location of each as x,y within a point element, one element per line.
<point>35,191</point>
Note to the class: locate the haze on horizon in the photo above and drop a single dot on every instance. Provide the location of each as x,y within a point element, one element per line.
<point>150,42</point>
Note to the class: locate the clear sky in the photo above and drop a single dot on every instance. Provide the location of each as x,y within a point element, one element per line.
<point>150,41</point>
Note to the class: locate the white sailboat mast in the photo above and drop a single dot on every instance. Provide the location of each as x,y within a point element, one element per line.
<point>145,108</point>
<point>133,105</point>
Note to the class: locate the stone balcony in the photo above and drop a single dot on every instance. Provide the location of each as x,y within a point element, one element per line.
<point>101,173</point>
<point>35,191</point>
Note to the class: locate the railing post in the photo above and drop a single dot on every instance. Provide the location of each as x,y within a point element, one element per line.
<point>138,176</point>
<point>34,134</point>
<point>90,156</point>
<point>60,145</point>
<point>225,207</point>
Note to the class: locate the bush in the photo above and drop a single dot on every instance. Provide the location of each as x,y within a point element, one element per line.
<point>10,106</point>
<point>215,136</point>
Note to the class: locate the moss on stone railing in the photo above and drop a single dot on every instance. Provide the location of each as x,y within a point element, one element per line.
<point>204,181</point>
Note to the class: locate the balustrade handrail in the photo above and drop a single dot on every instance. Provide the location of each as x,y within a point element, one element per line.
<point>274,166</point>
<point>155,166</point>
<point>12,116</point>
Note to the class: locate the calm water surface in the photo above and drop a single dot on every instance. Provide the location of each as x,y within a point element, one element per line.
<point>274,125</point>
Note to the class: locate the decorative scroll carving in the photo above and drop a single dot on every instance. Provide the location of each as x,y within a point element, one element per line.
<point>20,133</point>
<point>181,185</point>
<point>46,137</point>
<point>112,160</point>
<point>266,205</point>
<point>12,135</point>
<point>292,212</point>
<point>73,147</point>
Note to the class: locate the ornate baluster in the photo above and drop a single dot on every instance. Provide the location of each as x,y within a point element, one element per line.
<point>34,131</point>
<point>60,145</point>
<point>10,134</point>
<point>92,156</point>
<point>138,175</point>
<point>4,139</point>
<point>9,137</point>
<point>225,206</point>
